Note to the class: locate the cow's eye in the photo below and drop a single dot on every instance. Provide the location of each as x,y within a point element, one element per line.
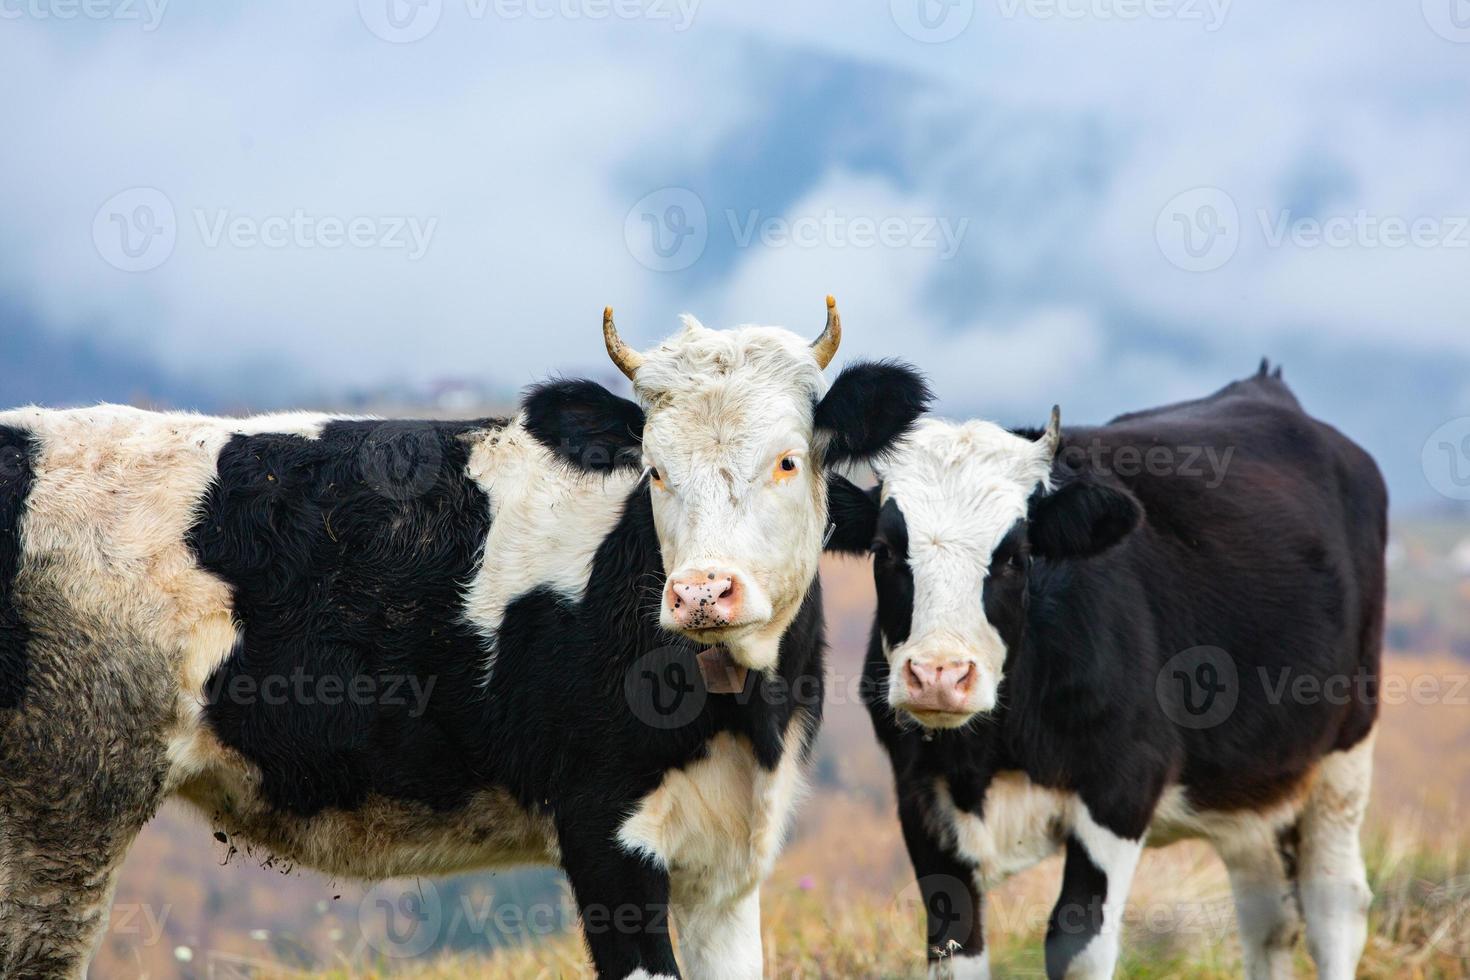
<point>879,551</point>
<point>785,468</point>
<point>655,477</point>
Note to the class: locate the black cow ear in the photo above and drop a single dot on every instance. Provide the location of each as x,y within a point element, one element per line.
<point>869,406</point>
<point>1081,518</point>
<point>585,424</point>
<point>853,515</point>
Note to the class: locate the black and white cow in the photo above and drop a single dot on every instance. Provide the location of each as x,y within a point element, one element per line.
<point>400,648</point>
<point>1167,626</point>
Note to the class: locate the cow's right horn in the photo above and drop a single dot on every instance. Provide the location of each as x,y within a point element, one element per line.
<point>626,358</point>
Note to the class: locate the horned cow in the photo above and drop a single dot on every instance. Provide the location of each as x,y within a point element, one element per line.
<point>383,648</point>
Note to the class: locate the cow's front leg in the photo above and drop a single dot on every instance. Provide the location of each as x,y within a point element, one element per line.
<point>623,900</point>
<point>1083,934</point>
<point>954,931</point>
<point>722,941</point>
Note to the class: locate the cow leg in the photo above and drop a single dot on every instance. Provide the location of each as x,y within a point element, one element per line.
<point>1263,881</point>
<point>623,899</point>
<point>65,827</point>
<point>1334,884</point>
<point>1083,934</point>
<point>722,941</point>
<point>954,935</point>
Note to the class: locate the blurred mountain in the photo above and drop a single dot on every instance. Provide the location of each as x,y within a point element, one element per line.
<point>44,366</point>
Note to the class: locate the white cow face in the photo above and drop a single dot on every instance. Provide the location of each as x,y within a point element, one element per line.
<point>962,511</point>
<point>951,534</point>
<point>737,429</point>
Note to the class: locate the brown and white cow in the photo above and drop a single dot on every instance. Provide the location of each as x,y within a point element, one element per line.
<point>383,648</point>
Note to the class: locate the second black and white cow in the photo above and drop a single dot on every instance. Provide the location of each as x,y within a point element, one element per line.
<point>1168,626</point>
<point>402,648</point>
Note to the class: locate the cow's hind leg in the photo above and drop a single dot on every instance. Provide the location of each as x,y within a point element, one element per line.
<point>1263,881</point>
<point>1334,883</point>
<point>82,766</point>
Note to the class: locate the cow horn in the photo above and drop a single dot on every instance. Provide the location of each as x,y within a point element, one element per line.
<point>1052,437</point>
<point>825,346</point>
<point>626,358</point>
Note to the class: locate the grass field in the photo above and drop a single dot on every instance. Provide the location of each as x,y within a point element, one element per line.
<point>1180,925</point>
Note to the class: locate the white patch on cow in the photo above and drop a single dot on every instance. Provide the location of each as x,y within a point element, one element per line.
<point>547,521</point>
<point>1023,824</point>
<point>961,486</point>
<point>721,409</point>
<point>722,942</point>
<point>1333,882</point>
<point>961,967</point>
<point>1117,858</point>
<point>116,490</point>
<point>717,826</point>
<point>642,974</point>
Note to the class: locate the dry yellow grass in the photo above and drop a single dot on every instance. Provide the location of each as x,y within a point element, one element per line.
<point>1180,921</point>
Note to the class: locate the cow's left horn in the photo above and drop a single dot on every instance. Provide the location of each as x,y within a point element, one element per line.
<point>626,358</point>
<point>825,346</point>
<point>1052,437</point>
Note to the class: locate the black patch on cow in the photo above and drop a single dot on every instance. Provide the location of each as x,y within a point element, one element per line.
<point>585,424</point>
<point>17,450</point>
<point>347,556</point>
<point>1078,915</point>
<point>870,405</point>
<point>1082,516</point>
<point>891,572</point>
<point>853,513</point>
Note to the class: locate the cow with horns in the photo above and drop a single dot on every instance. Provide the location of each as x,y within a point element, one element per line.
<point>383,648</point>
<point>1091,640</point>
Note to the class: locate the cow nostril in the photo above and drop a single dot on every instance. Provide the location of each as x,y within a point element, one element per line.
<point>729,590</point>
<point>966,679</point>
<point>912,676</point>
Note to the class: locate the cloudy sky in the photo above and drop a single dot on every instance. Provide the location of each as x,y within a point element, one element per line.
<point>1105,203</point>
